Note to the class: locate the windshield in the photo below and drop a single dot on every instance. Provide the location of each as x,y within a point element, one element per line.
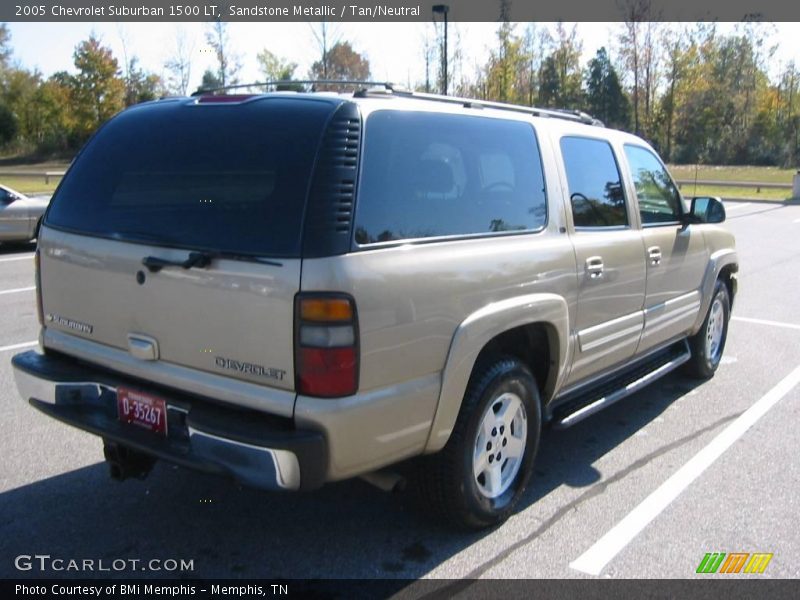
<point>222,177</point>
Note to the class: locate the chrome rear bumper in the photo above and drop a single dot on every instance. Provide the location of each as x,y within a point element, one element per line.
<point>255,449</point>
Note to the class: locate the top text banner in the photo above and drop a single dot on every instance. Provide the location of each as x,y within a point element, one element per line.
<point>398,10</point>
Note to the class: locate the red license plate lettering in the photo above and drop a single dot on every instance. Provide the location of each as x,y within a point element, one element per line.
<point>145,410</point>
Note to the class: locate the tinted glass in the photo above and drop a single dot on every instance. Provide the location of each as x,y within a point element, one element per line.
<point>595,186</point>
<point>426,175</point>
<point>659,199</point>
<point>5,197</point>
<point>213,177</point>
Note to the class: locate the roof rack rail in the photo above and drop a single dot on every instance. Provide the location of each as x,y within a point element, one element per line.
<point>556,113</point>
<point>388,86</point>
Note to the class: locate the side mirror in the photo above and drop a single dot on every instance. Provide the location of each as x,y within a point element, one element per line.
<point>707,209</point>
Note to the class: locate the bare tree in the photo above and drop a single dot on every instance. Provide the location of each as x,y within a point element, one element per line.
<point>124,38</point>
<point>456,68</point>
<point>428,55</point>
<point>639,50</point>
<point>326,36</point>
<point>179,64</point>
<point>228,62</point>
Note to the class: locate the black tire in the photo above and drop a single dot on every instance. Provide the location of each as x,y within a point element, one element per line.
<point>447,485</point>
<point>706,359</point>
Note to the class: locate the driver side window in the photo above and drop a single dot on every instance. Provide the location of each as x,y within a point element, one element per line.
<point>5,197</point>
<point>595,185</point>
<point>659,199</point>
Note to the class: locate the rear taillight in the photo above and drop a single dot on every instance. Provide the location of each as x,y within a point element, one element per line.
<point>38,279</point>
<point>326,345</point>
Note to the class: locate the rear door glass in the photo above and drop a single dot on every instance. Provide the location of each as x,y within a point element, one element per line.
<point>595,185</point>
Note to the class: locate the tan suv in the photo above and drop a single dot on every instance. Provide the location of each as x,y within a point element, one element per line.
<point>295,288</point>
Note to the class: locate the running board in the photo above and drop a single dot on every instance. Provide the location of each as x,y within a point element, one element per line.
<point>583,406</point>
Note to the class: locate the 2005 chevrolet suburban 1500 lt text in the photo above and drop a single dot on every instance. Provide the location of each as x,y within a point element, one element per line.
<point>294,288</point>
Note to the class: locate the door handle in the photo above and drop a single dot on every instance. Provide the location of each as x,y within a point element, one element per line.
<point>594,267</point>
<point>654,254</point>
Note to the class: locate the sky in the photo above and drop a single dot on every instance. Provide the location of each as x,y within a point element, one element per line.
<point>394,49</point>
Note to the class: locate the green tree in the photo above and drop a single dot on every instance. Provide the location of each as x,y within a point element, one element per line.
<point>276,68</point>
<point>141,86</point>
<point>56,119</point>
<point>549,84</point>
<point>677,63</point>
<point>343,63</point>
<point>210,81</point>
<point>5,47</point>
<point>605,98</point>
<point>98,91</point>
<point>506,65</point>
<point>561,78</point>
<point>8,125</point>
<point>19,95</point>
<point>726,111</point>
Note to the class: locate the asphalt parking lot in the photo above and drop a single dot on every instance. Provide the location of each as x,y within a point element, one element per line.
<point>642,490</point>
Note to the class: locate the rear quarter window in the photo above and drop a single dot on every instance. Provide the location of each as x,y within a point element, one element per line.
<point>427,175</point>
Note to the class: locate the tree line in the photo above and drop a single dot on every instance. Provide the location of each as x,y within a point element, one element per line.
<point>696,94</point>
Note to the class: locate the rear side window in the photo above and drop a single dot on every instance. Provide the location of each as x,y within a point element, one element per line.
<point>659,199</point>
<point>219,177</point>
<point>428,175</point>
<point>595,185</point>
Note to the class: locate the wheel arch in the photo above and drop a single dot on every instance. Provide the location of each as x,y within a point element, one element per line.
<point>723,264</point>
<point>532,328</point>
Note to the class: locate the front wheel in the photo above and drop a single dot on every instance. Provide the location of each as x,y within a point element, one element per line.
<point>708,344</point>
<point>477,479</point>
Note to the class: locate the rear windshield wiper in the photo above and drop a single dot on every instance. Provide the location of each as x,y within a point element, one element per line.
<point>201,260</point>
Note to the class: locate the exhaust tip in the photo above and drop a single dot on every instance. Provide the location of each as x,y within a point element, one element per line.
<point>124,463</point>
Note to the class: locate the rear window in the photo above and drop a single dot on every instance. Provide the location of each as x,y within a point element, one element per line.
<point>428,175</point>
<point>221,177</point>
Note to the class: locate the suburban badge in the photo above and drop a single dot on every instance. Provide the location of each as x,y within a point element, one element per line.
<point>70,323</point>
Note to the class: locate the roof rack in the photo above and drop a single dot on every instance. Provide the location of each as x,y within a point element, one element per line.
<point>389,87</point>
<point>556,113</point>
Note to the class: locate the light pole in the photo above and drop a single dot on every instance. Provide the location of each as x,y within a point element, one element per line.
<point>443,9</point>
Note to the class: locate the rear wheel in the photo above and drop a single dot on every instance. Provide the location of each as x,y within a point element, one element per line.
<point>478,478</point>
<point>708,344</point>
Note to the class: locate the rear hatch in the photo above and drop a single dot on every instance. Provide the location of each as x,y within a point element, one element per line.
<point>218,186</point>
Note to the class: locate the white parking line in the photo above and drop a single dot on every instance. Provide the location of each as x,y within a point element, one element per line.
<point>10,258</point>
<point>25,289</point>
<point>607,547</point>
<point>17,346</point>
<point>766,322</point>
<point>736,206</point>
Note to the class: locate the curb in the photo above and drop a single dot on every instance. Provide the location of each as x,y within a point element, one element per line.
<point>789,202</point>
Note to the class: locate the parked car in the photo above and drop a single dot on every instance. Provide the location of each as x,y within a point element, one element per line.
<point>20,215</point>
<point>297,288</point>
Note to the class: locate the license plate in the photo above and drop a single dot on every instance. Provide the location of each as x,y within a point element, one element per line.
<point>145,410</point>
